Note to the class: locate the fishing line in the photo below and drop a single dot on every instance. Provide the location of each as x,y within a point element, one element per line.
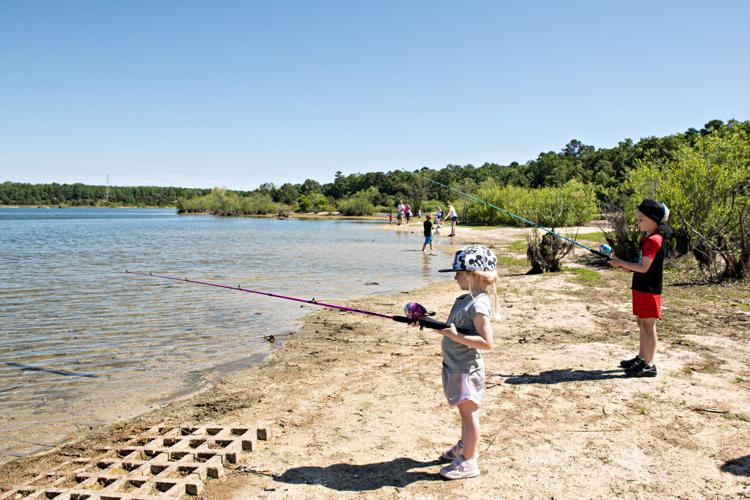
<point>604,251</point>
<point>416,313</point>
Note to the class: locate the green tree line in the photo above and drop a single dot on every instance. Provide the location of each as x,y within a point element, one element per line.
<point>14,193</point>
<point>597,174</point>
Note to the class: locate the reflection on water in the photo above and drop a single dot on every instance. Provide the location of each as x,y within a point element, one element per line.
<point>83,343</point>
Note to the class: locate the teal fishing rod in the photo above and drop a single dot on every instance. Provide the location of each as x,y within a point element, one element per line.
<point>604,251</point>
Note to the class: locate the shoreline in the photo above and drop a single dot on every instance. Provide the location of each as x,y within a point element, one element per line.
<point>356,405</point>
<point>290,215</point>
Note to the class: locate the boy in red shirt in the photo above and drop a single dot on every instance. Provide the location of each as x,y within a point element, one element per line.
<point>651,217</point>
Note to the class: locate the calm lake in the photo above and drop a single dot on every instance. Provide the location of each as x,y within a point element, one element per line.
<point>83,344</point>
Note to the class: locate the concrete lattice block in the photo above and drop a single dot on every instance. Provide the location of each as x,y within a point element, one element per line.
<point>161,462</point>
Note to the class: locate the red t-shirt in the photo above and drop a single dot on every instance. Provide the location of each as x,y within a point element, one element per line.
<point>650,245</point>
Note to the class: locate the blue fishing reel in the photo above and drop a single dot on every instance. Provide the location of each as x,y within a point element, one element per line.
<point>605,249</point>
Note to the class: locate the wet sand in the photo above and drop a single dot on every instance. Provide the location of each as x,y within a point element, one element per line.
<point>357,406</point>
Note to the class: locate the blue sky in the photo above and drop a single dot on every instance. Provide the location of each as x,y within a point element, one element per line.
<point>237,93</point>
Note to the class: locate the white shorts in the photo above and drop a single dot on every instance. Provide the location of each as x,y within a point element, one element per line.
<point>462,386</point>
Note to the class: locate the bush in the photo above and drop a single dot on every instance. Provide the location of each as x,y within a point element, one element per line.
<point>571,204</point>
<point>358,204</point>
<point>259,204</point>
<point>624,235</point>
<point>545,251</point>
<point>223,202</point>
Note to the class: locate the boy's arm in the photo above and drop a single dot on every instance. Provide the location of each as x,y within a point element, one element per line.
<point>650,248</point>
<point>636,267</point>
<point>482,340</point>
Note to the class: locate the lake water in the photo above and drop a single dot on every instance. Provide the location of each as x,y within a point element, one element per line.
<point>82,343</point>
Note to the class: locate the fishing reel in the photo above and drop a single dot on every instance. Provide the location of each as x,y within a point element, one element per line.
<point>605,249</point>
<point>417,313</point>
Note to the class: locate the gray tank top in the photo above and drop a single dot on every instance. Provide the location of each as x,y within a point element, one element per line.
<point>458,357</point>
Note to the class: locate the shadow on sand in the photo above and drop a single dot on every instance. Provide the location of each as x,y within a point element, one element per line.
<point>560,376</point>
<point>348,477</point>
<point>737,466</point>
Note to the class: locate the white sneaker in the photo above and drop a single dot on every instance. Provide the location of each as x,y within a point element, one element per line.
<point>460,468</point>
<point>452,453</point>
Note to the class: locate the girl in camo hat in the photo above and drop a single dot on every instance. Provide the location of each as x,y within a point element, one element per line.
<point>463,367</point>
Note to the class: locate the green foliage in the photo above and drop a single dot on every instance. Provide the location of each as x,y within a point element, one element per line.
<point>571,204</point>
<point>304,203</point>
<point>286,194</point>
<point>14,193</point>
<point>224,202</point>
<point>359,204</point>
<point>706,187</point>
<point>431,206</point>
<point>313,202</point>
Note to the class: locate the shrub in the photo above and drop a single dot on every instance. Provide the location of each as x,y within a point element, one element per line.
<point>571,204</point>
<point>707,188</point>
<point>358,204</point>
<point>223,202</point>
<point>546,251</point>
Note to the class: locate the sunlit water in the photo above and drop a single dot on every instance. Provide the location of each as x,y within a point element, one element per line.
<point>82,343</point>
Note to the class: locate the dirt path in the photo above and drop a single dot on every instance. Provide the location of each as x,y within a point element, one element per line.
<point>357,405</point>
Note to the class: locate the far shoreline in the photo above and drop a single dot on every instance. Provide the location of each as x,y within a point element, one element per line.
<point>289,215</point>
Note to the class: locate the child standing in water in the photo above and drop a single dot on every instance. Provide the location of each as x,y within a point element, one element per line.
<point>651,217</point>
<point>463,366</point>
<point>427,232</point>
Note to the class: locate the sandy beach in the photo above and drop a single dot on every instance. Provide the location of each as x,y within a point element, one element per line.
<point>356,408</point>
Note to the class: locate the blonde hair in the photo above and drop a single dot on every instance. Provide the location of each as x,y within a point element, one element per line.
<point>485,282</point>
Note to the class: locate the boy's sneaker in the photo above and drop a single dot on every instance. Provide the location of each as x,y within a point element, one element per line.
<point>453,453</point>
<point>628,363</point>
<point>460,468</point>
<point>641,370</point>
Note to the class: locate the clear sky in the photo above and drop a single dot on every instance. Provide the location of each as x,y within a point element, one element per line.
<point>237,93</point>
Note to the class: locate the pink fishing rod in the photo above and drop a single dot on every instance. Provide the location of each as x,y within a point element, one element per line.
<point>416,313</point>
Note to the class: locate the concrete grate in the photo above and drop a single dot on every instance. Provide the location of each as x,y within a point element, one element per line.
<point>162,462</point>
